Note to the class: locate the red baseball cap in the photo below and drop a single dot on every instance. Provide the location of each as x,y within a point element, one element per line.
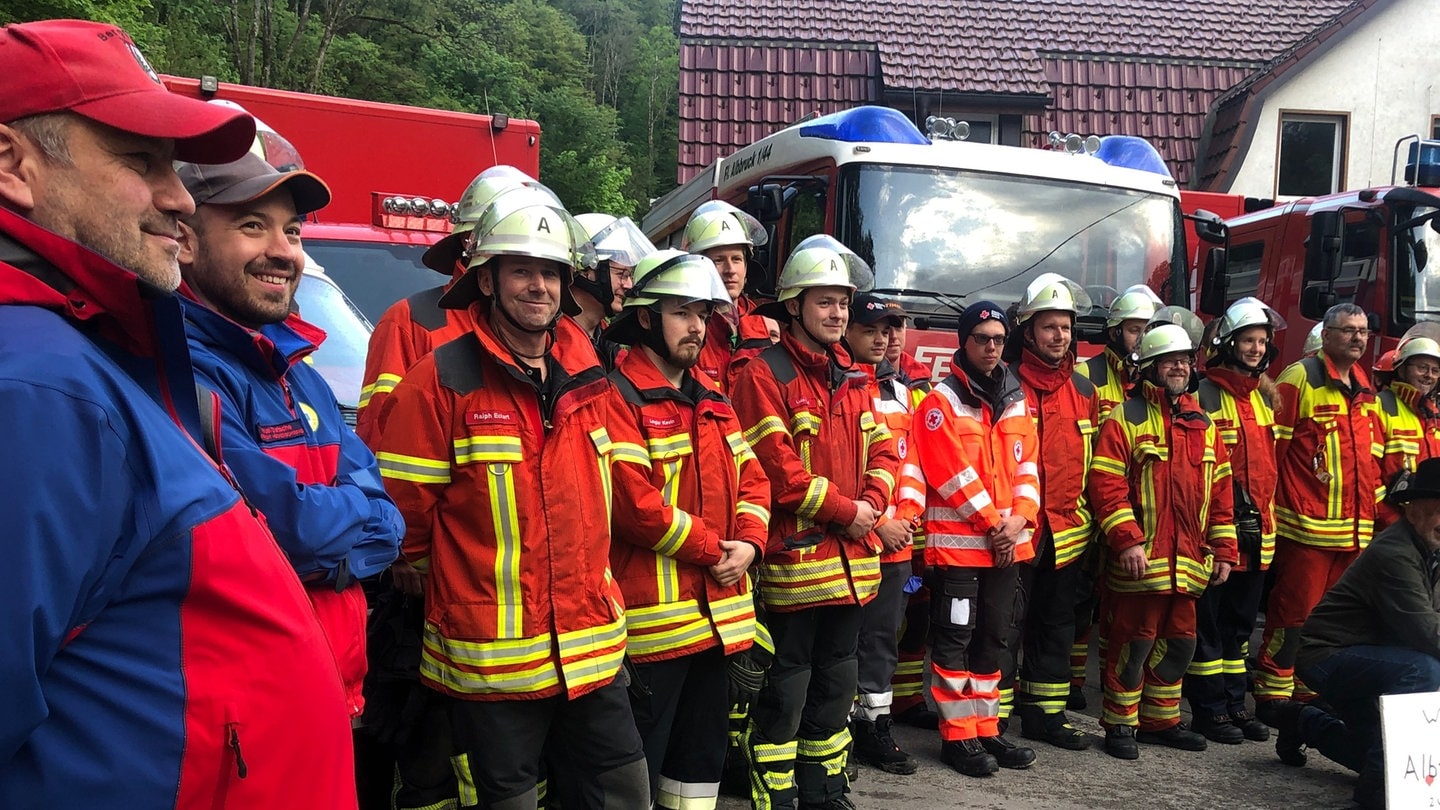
<point>95,70</point>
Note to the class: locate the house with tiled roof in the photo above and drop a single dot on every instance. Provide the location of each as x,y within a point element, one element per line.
<point>1215,86</point>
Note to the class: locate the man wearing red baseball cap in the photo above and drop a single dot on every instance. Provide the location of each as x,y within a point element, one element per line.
<point>160,650</point>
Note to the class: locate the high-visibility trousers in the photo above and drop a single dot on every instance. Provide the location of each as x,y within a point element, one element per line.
<point>972,612</point>
<point>681,711</point>
<point>1049,628</point>
<point>1302,575</point>
<point>1224,621</point>
<point>1150,641</point>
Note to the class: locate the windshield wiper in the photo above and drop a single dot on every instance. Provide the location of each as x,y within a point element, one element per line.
<point>956,303</point>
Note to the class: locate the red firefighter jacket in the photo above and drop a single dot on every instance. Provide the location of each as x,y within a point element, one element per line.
<point>1327,450</point>
<point>506,488</point>
<point>1111,379</point>
<point>701,463</point>
<point>809,421</point>
<point>894,403</point>
<point>977,455</point>
<point>410,329</point>
<point>724,339</point>
<point>1065,408</point>
<point>1161,478</point>
<point>1246,423</point>
<point>916,374</point>
<point>1410,429</point>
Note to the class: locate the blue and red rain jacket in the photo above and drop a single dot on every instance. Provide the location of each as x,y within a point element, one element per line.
<point>316,483</point>
<point>158,649</point>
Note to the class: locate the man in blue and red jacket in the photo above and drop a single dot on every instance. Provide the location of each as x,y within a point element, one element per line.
<point>159,650</point>
<point>282,434</point>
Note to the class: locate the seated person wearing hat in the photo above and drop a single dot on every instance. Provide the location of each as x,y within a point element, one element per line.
<point>1376,632</point>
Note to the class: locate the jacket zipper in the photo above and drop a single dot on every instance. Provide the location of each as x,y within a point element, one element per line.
<point>232,733</point>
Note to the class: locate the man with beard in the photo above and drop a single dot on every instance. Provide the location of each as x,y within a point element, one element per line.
<point>1231,394</point>
<point>976,450</point>
<point>1160,488</point>
<point>1110,371</point>
<point>507,452</point>
<point>872,321</point>
<point>728,236</point>
<point>1063,404</point>
<point>1326,447</point>
<point>159,649</point>
<point>1409,423</point>
<point>688,603</point>
<point>619,246</point>
<point>832,470</point>
<point>282,433</point>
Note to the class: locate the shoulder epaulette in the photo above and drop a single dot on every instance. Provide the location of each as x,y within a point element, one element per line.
<point>627,388</point>
<point>1314,371</point>
<point>458,364</point>
<point>781,364</point>
<point>1389,403</point>
<point>1082,384</point>
<point>425,308</point>
<point>1097,370</point>
<point>1209,396</point>
<point>1136,410</point>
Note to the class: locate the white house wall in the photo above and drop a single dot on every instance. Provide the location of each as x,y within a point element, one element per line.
<point>1385,74</point>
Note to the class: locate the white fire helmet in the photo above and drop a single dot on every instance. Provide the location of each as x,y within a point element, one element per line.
<point>1136,303</point>
<point>673,273</point>
<point>1246,312</point>
<point>1313,341</point>
<point>719,224</point>
<point>1417,347</point>
<point>1167,338</point>
<point>482,191</point>
<point>1053,292</point>
<point>616,239</point>
<point>822,261</point>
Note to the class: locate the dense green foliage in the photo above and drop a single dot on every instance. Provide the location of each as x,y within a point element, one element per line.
<point>599,75</point>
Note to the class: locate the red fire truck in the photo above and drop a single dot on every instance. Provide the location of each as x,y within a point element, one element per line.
<point>946,222</point>
<point>1370,247</point>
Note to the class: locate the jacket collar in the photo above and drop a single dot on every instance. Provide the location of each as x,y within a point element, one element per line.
<point>1424,407</point>
<point>1238,383</point>
<point>834,366</point>
<point>1185,407</point>
<point>1361,381</point>
<point>272,350</point>
<point>1043,376</point>
<point>1006,391</point>
<point>653,386</point>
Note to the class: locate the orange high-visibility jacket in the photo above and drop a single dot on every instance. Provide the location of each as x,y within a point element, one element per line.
<point>1111,379</point>
<point>1246,423</point>
<point>1161,478</point>
<point>809,421</point>
<point>978,456</point>
<point>1065,408</point>
<point>1327,449</point>
<point>508,505</point>
<point>894,403</point>
<point>410,329</point>
<point>1410,429</point>
<point>701,463</point>
<point>723,340</point>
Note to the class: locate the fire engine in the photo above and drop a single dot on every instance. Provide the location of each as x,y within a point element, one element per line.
<point>1369,247</point>
<point>946,222</point>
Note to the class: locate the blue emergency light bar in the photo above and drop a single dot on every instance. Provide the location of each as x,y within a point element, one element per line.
<point>1130,152</point>
<point>1422,166</point>
<point>865,125</point>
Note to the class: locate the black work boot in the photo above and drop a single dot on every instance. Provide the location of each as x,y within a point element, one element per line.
<point>1054,728</point>
<point>1008,754</point>
<point>838,803</point>
<point>1177,736</point>
<point>968,757</point>
<point>1250,725</point>
<point>875,747</point>
<point>1076,702</point>
<point>1120,742</point>
<point>919,716</point>
<point>1288,744</point>
<point>1218,728</point>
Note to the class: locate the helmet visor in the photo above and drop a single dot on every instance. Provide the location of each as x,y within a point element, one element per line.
<point>1182,317</point>
<point>753,230</point>
<point>862,278</point>
<point>621,242</point>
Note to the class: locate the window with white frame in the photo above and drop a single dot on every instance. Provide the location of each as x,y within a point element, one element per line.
<point>1312,155</point>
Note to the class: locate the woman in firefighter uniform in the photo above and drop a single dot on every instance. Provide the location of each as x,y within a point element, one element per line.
<point>832,469</point>
<point>503,450</point>
<point>1063,404</point>
<point>1160,487</point>
<point>1231,394</point>
<point>977,453</point>
<point>1409,421</point>
<point>688,601</point>
<point>728,236</point>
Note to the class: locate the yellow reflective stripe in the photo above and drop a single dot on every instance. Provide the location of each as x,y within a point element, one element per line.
<point>537,678</point>
<point>867,420</point>
<point>1121,515</point>
<point>581,660</point>
<point>674,637</point>
<point>465,782</point>
<point>1108,465</point>
<point>1204,668</point>
<point>814,497</point>
<point>384,384</point>
<point>581,642</point>
<point>740,448</point>
<point>413,468</point>
<point>754,510</point>
<point>763,428</point>
<point>497,653</point>
<point>506,521</point>
<point>648,617</point>
<point>630,453</point>
<point>885,478</point>
<point>807,422</point>
<point>601,437</point>
<point>488,448</point>
<point>677,445</point>
<point>675,536</point>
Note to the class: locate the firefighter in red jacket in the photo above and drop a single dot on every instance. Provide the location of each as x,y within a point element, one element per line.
<point>507,451</point>
<point>688,604</point>
<point>1215,682</point>
<point>1160,488</point>
<point>1327,446</point>
<point>832,469</point>
<point>1063,404</point>
<point>977,450</point>
<point>894,402</point>
<point>1407,417</point>
<point>728,236</point>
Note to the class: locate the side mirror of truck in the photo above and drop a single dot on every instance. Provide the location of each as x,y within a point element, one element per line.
<point>1209,227</point>
<point>1315,301</point>
<point>1216,283</point>
<point>1325,247</point>
<point>766,202</point>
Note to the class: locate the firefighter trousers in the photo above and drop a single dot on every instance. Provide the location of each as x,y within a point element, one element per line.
<point>972,612</point>
<point>424,779</point>
<point>799,727</point>
<point>1302,575</point>
<point>500,744</point>
<point>1049,628</point>
<point>1150,641</point>
<point>681,708</point>
<point>908,683</point>
<point>877,650</point>
<point>1224,620</point>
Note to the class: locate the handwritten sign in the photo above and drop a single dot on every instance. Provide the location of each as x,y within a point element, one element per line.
<point>1411,728</point>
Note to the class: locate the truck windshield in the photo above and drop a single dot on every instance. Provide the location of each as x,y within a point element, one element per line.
<point>374,274</point>
<point>1418,279</point>
<point>341,358</point>
<point>978,235</point>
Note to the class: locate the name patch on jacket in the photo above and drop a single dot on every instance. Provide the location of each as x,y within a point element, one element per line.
<point>662,421</point>
<point>473,418</point>
<point>282,432</point>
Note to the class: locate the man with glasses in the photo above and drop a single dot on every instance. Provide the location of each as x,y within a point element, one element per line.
<point>1326,443</point>
<point>1160,487</point>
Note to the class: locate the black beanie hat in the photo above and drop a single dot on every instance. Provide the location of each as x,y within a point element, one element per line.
<point>975,314</point>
